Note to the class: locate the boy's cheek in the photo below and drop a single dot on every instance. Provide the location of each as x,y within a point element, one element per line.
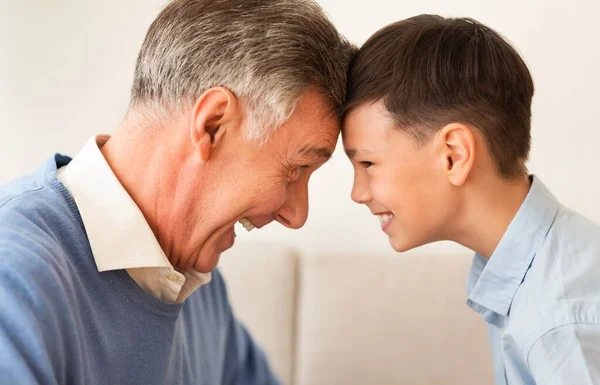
<point>387,192</point>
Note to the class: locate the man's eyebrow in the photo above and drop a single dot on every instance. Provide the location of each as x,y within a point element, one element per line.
<point>316,152</point>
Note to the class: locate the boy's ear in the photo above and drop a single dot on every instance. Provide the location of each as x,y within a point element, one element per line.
<point>458,149</point>
<point>213,112</point>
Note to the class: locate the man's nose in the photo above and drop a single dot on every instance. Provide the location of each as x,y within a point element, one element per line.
<point>294,212</point>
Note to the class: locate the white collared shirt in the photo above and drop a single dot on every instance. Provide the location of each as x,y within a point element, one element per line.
<point>119,235</point>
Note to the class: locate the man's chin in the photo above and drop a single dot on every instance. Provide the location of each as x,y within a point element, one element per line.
<point>207,264</point>
<point>209,258</point>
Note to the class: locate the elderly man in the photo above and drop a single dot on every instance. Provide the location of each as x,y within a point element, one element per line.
<point>106,260</point>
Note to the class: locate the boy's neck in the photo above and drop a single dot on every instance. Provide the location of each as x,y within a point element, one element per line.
<point>489,206</point>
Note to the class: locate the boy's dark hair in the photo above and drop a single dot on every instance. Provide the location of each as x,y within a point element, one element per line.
<point>431,71</point>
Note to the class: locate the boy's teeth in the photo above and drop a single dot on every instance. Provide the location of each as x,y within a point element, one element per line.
<point>384,218</point>
<point>247,225</point>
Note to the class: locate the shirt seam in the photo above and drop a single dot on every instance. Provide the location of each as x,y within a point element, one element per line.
<point>586,321</point>
<point>21,195</point>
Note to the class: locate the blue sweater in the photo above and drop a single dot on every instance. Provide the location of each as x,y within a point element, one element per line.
<point>63,322</point>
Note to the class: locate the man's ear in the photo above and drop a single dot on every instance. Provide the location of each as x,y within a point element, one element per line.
<point>211,114</point>
<point>458,150</point>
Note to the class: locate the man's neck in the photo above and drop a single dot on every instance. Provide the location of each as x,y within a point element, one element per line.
<point>489,207</point>
<point>146,167</point>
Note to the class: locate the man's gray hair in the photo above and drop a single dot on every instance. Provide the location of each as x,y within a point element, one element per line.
<point>266,52</point>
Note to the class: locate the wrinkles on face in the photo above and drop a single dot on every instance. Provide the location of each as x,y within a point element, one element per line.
<point>259,183</point>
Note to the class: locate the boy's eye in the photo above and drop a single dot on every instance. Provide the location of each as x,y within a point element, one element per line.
<point>366,164</point>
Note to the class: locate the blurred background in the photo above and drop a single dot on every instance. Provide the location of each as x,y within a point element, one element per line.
<point>66,68</point>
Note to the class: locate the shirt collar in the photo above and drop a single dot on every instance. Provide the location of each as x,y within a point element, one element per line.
<point>119,235</point>
<point>492,284</point>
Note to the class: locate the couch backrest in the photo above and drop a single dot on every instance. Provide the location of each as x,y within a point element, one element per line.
<point>343,319</point>
<point>262,282</point>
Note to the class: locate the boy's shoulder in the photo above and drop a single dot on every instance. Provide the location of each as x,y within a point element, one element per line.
<point>561,286</point>
<point>570,223</point>
<point>571,249</point>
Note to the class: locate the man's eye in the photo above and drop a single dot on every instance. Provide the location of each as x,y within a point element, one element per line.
<point>298,171</point>
<point>366,164</point>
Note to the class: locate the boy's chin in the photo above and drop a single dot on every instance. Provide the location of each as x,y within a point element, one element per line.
<point>402,244</point>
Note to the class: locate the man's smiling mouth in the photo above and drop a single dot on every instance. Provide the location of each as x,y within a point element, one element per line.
<point>247,224</point>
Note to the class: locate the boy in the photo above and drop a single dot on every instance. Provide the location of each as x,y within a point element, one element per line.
<point>437,127</point>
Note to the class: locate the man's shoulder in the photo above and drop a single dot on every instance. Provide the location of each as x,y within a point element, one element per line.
<point>35,200</point>
<point>34,216</point>
<point>30,256</point>
<point>41,181</point>
<point>37,190</point>
<point>35,274</point>
<point>37,288</point>
<point>20,188</point>
<point>36,224</point>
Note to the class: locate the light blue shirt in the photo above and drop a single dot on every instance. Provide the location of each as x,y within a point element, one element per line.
<point>540,294</point>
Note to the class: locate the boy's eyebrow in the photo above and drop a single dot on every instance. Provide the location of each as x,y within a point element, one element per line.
<point>350,152</point>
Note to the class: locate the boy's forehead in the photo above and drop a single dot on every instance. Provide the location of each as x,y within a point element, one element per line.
<point>365,127</point>
<point>363,140</point>
<point>367,114</point>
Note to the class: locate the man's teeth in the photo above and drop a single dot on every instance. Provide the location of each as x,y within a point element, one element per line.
<point>247,225</point>
<point>385,218</point>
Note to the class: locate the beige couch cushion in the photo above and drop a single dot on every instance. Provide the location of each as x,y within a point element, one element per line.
<point>262,284</point>
<point>392,320</point>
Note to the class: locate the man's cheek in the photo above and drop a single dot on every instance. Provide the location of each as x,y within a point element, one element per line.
<point>271,199</point>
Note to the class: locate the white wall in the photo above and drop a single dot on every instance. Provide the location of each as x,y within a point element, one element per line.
<point>66,68</point>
